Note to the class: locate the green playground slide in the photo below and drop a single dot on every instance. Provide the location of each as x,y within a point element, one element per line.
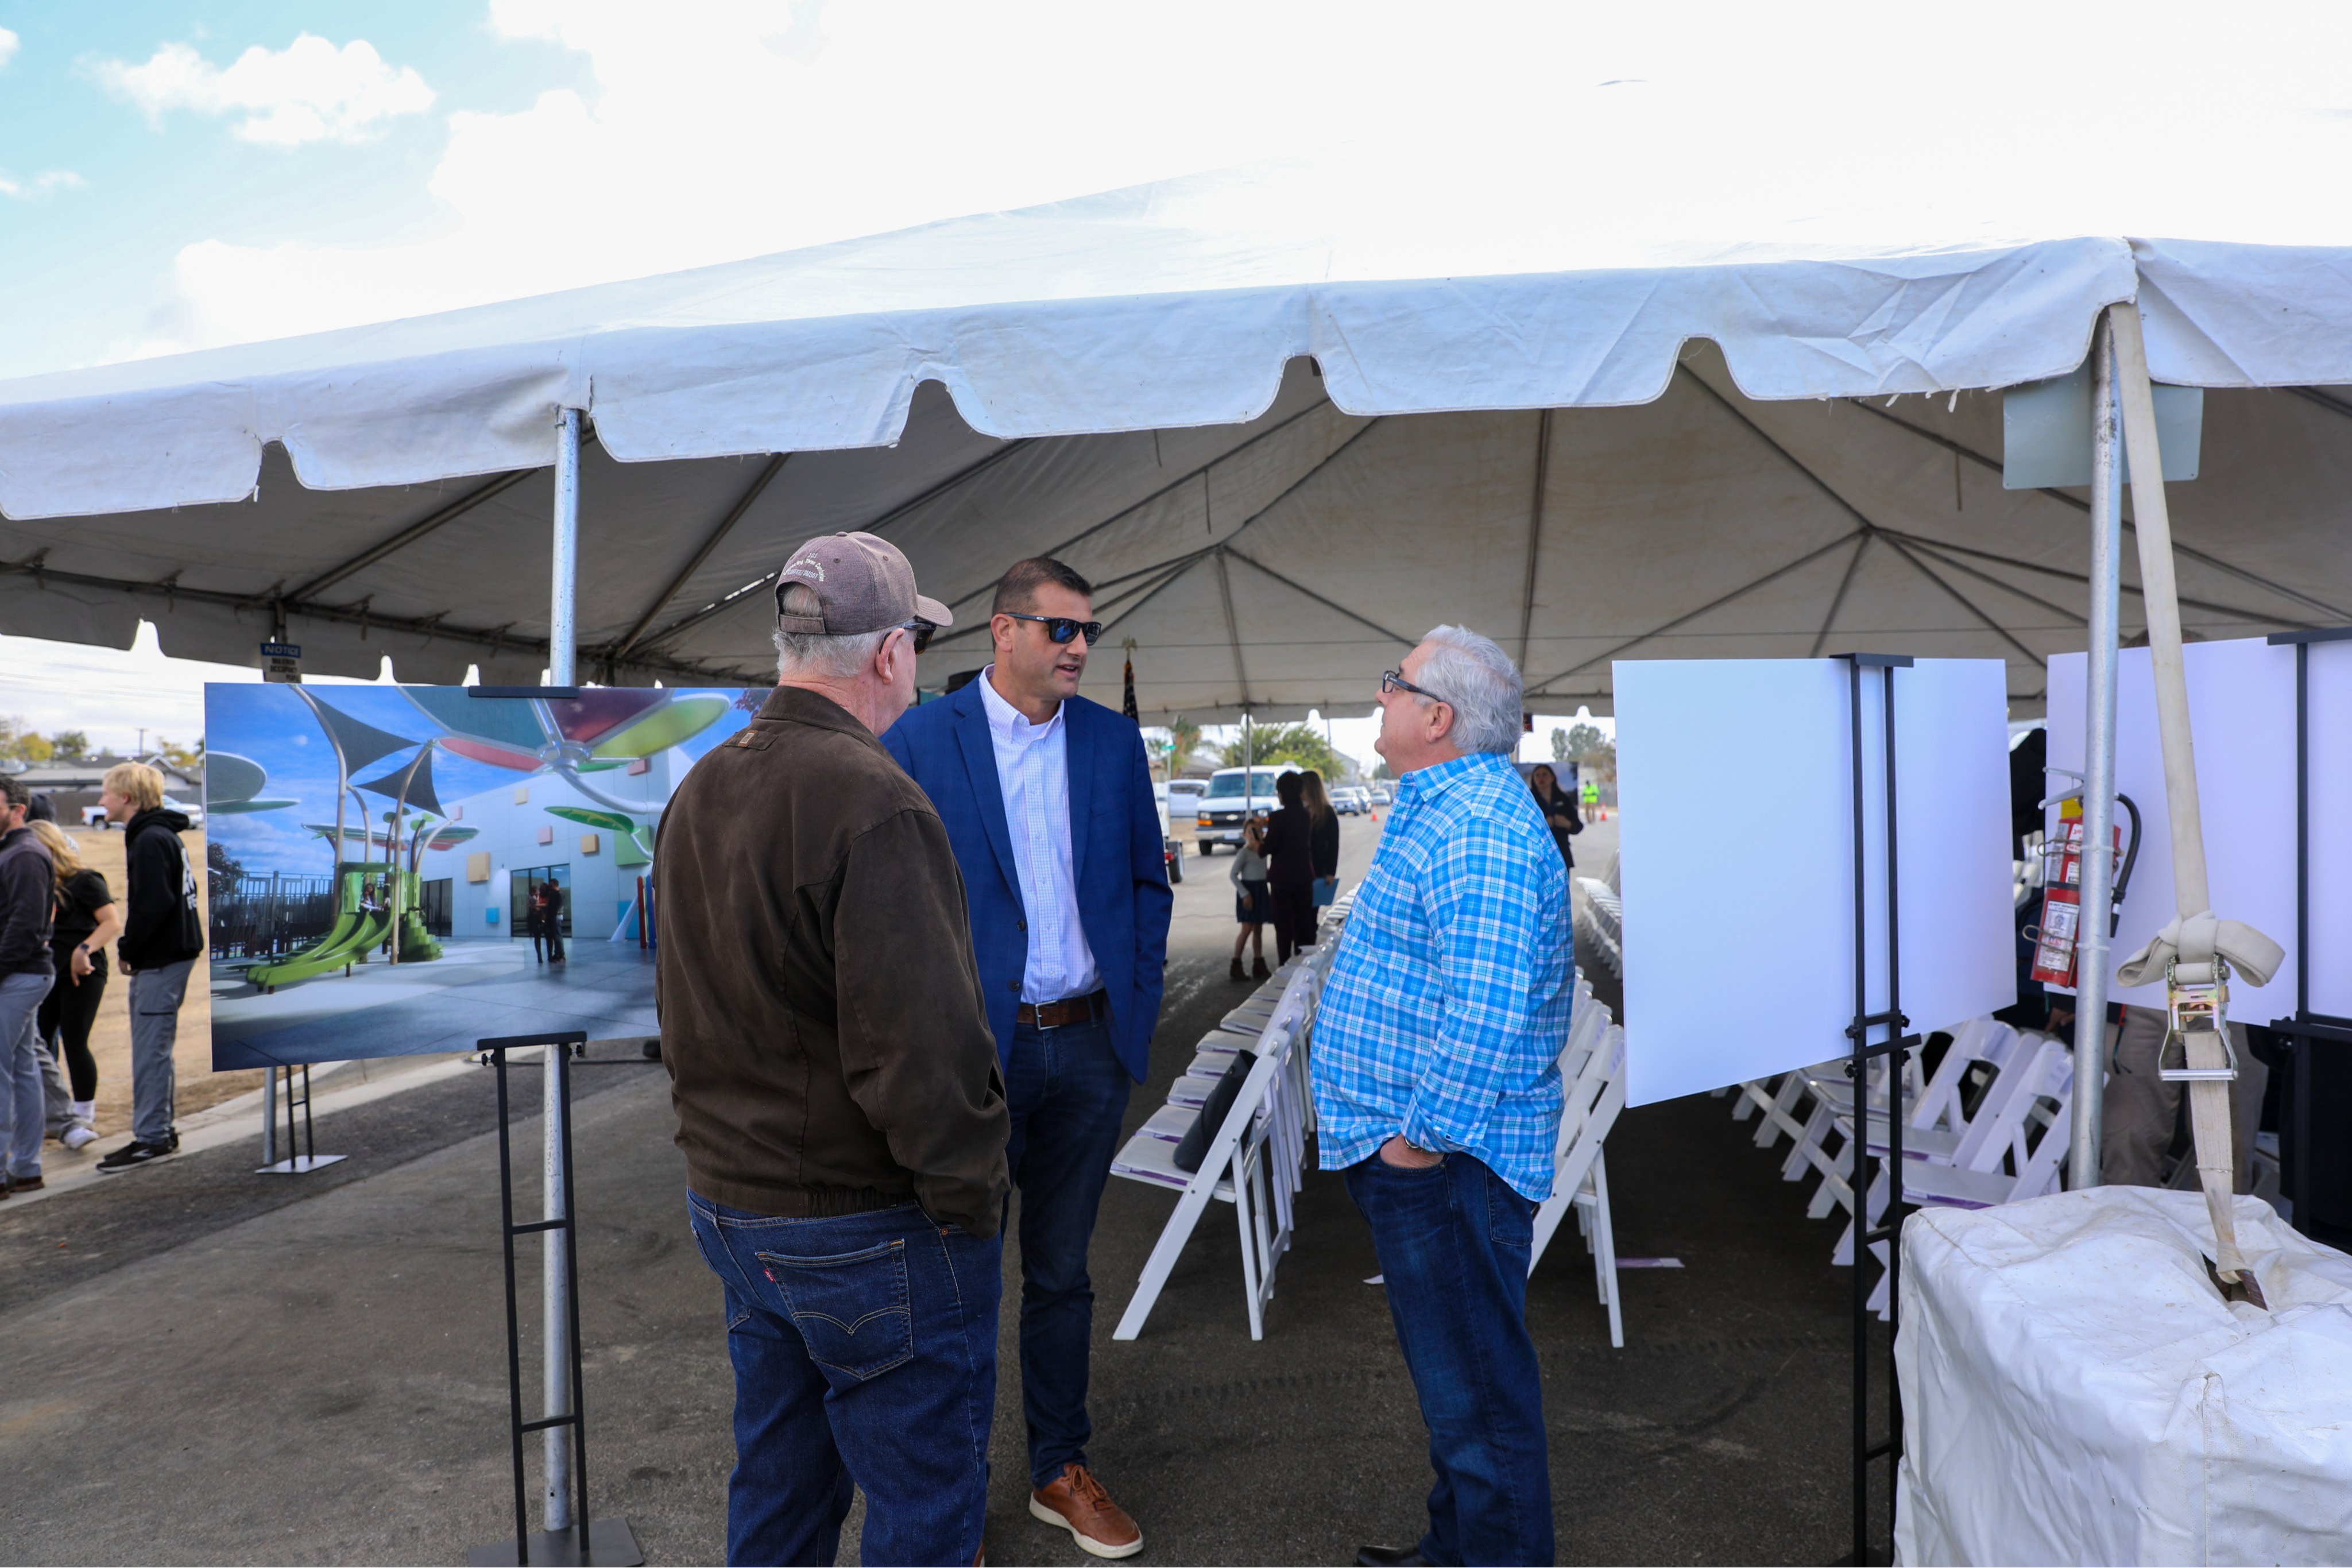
<point>355,936</point>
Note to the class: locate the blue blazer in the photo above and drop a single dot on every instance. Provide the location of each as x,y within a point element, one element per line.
<point>1123,899</point>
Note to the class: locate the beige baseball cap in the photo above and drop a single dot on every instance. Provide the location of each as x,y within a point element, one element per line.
<point>864,584</point>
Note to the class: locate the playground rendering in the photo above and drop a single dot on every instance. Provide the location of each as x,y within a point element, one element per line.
<point>374,847</point>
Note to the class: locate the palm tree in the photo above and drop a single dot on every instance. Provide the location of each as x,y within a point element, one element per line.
<point>1183,740</point>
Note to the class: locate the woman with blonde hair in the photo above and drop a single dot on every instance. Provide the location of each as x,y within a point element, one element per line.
<point>88,919</point>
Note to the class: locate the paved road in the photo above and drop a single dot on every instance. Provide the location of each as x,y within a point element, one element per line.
<point>221,1367</point>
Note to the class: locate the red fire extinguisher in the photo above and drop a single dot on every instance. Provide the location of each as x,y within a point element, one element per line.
<point>2058,936</point>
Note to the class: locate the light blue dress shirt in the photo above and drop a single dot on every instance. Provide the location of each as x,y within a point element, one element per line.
<point>1032,769</point>
<point>1448,1003</point>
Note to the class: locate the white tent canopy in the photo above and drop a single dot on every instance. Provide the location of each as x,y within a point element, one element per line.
<point>1287,417</point>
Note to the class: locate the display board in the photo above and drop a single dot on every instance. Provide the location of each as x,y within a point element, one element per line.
<point>376,854</point>
<point>2330,843</point>
<point>2242,714</point>
<point>1737,860</point>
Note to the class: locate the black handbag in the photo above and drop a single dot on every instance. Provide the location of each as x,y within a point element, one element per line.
<point>1195,1146</point>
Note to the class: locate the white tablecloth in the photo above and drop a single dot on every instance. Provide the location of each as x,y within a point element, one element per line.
<point>2075,1390</point>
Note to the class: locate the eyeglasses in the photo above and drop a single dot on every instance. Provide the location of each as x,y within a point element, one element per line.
<point>1394,681</point>
<point>920,631</point>
<point>1061,628</point>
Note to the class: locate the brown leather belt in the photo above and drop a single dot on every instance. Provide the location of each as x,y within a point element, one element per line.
<point>1064,1013</point>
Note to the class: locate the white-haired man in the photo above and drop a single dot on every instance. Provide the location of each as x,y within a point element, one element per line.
<point>1437,1086</point>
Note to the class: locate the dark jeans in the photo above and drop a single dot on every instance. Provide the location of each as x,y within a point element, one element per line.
<point>1454,1242</point>
<point>1293,919</point>
<point>865,1352</point>
<point>1067,1094</point>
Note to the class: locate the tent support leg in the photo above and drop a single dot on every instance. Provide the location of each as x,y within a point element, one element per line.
<point>2092,957</point>
<point>556,1314</point>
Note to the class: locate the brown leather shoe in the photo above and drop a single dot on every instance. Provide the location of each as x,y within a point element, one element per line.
<point>1077,1503</point>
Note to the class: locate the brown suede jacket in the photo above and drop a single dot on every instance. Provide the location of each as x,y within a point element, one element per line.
<point>828,1049</point>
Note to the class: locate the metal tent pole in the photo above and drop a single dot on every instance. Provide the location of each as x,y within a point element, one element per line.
<point>556,1313</point>
<point>2098,866</point>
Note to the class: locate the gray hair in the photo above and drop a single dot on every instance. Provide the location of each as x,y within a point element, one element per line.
<point>1478,680</point>
<point>813,655</point>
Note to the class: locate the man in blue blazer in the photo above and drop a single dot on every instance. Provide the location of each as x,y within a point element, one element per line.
<point>1048,801</point>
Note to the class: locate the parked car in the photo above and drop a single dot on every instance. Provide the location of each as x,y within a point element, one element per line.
<point>1383,795</point>
<point>1233,793</point>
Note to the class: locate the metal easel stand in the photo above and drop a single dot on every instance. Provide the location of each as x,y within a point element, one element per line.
<point>2308,1029</point>
<point>1896,1045</point>
<point>294,1163</point>
<point>572,1536</point>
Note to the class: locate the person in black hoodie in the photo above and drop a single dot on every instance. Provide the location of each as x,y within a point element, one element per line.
<point>28,896</point>
<point>163,936</point>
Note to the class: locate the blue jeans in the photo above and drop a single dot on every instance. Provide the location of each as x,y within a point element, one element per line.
<point>1454,1242</point>
<point>1068,1094</point>
<point>24,1111</point>
<point>865,1352</point>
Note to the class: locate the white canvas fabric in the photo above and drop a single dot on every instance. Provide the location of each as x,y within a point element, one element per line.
<point>1290,415</point>
<point>2075,1390</point>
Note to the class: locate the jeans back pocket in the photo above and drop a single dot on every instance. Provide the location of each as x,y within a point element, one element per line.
<point>851,1309</point>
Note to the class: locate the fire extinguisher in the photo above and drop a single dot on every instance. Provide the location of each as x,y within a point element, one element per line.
<point>2057,938</point>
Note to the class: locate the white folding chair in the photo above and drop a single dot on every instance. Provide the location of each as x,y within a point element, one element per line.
<point>1252,1162</point>
<point>2049,1076</point>
<point>1592,1073</point>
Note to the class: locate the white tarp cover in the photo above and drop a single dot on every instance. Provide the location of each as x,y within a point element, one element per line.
<point>2075,1390</point>
<point>1127,379</point>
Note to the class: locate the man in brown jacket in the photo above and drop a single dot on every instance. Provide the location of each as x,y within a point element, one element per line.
<point>837,1087</point>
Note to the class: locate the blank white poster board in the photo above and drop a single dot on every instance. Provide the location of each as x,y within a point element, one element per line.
<point>1737,852</point>
<point>2330,954</point>
<point>2242,716</point>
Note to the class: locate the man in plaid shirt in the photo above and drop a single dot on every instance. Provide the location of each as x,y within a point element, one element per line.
<point>1437,1085</point>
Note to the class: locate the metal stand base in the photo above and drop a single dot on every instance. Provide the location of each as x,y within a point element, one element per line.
<point>610,1542</point>
<point>299,1165</point>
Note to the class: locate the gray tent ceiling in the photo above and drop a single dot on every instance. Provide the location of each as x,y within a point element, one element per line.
<point>1276,565</point>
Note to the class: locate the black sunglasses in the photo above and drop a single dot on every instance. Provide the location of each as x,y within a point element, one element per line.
<point>1061,628</point>
<point>920,631</point>
<point>1394,681</point>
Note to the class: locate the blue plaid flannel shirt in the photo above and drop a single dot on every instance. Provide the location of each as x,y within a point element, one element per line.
<point>1447,1006</point>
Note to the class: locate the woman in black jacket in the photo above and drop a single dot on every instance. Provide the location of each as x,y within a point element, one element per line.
<point>1323,826</point>
<point>1290,846</point>
<point>1559,809</point>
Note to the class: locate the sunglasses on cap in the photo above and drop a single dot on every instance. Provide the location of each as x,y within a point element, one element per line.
<point>1061,628</point>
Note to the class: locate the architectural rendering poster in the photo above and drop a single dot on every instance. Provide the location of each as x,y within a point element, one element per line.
<point>397,869</point>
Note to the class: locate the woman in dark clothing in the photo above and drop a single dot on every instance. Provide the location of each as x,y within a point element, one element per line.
<point>1324,829</point>
<point>87,918</point>
<point>1559,809</point>
<point>1291,845</point>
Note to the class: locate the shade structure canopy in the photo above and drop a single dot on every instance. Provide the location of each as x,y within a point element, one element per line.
<point>1285,417</point>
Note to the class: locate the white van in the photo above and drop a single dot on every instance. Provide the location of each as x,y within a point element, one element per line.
<point>1233,793</point>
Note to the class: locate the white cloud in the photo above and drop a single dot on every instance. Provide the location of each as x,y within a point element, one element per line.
<point>41,184</point>
<point>309,91</point>
<point>9,44</point>
<point>717,130</point>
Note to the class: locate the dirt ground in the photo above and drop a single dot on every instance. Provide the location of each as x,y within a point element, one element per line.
<point>199,1085</point>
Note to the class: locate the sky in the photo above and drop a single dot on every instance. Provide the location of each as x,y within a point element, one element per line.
<point>178,174</point>
<point>176,177</point>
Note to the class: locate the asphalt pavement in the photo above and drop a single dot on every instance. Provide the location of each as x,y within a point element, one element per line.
<point>200,1364</point>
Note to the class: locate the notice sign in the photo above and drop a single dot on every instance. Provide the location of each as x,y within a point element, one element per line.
<point>282,662</point>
